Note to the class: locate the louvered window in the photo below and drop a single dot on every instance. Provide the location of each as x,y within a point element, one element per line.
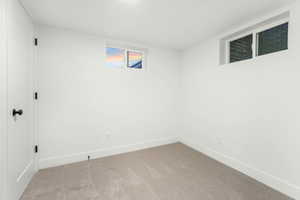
<point>241,49</point>
<point>273,40</point>
<point>259,41</point>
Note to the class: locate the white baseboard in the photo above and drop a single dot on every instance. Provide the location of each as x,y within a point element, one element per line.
<point>270,180</point>
<point>25,177</point>
<point>62,160</point>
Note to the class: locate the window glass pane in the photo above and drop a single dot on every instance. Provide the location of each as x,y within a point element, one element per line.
<point>241,49</point>
<point>135,59</point>
<point>115,57</point>
<point>273,40</point>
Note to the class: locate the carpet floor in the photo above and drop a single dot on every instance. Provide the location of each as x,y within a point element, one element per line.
<point>170,172</point>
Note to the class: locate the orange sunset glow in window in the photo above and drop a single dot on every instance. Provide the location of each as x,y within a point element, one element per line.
<point>115,57</point>
<point>134,59</point>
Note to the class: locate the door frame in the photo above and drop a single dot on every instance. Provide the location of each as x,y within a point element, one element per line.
<point>3,102</point>
<point>35,104</point>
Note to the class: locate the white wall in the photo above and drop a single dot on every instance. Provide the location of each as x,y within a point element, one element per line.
<point>87,108</point>
<point>246,114</point>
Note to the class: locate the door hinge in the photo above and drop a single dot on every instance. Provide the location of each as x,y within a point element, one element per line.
<point>36,149</point>
<point>36,96</point>
<point>35,41</point>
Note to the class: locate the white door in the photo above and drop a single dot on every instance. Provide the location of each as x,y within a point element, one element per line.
<point>20,154</point>
<point>3,98</point>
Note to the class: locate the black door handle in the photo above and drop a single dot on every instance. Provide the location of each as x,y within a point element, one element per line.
<point>17,112</point>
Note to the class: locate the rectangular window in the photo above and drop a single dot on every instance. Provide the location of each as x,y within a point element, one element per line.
<point>122,57</point>
<point>273,40</point>
<point>270,40</point>
<point>135,59</point>
<point>115,57</point>
<point>241,49</point>
<point>263,38</point>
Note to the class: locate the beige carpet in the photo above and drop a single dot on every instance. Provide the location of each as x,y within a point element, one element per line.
<point>171,172</point>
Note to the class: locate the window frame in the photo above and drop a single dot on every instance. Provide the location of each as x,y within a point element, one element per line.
<point>115,47</point>
<point>135,51</point>
<point>236,38</point>
<point>126,50</point>
<point>255,36</point>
